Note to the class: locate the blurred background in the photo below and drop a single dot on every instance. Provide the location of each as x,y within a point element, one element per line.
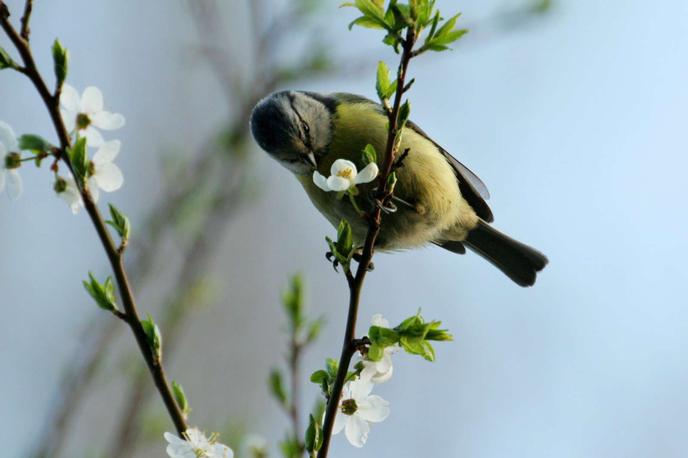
<point>574,115</point>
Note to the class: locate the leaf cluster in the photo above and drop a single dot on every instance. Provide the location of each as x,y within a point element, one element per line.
<point>120,223</point>
<point>326,377</point>
<point>102,293</point>
<point>414,335</point>
<point>395,17</point>
<point>153,336</point>
<point>341,250</point>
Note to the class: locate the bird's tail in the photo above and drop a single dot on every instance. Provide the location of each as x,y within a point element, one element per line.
<point>518,261</point>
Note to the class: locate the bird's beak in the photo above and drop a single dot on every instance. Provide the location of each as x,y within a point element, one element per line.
<point>310,158</point>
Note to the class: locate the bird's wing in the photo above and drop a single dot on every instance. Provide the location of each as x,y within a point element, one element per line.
<point>472,188</point>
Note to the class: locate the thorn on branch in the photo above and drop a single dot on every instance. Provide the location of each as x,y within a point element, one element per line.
<point>408,86</point>
<point>400,160</point>
<point>4,11</point>
<point>358,257</point>
<point>26,17</point>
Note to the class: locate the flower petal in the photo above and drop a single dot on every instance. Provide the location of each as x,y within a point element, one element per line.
<point>172,439</point>
<point>378,319</point>
<point>360,389</point>
<point>320,181</point>
<point>338,184</point>
<point>93,137</point>
<point>339,422</point>
<point>8,138</point>
<point>15,186</point>
<point>368,174</point>
<point>108,121</point>
<point>374,409</point>
<point>342,164</point>
<point>69,99</point>
<point>385,364</point>
<point>109,177</point>
<point>382,376</point>
<point>196,438</point>
<point>357,431</point>
<point>72,196</point>
<point>107,152</point>
<point>180,451</point>
<point>69,119</point>
<point>91,101</point>
<point>94,189</point>
<point>220,451</point>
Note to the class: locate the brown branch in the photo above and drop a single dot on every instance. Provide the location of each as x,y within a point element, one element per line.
<point>383,194</point>
<point>200,254</point>
<point>132,318</point>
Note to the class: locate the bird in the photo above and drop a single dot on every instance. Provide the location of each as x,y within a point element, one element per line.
<point>437,199</point>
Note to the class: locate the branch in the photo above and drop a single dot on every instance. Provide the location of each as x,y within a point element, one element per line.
<point>375,221</point>
<point>131,315</point>
<point>26,18</point>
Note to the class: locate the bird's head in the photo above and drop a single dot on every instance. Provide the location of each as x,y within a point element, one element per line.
<point>295,128</point>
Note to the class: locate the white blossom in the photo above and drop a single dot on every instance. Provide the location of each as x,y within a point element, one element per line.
<point>71,195</point>
<point>9,176</point>
<point>343,176</point>
<point>86,113</point>
<point>196,445</point>
<point>106,175</point>
<point>379,371</point>
<point>357,409</point>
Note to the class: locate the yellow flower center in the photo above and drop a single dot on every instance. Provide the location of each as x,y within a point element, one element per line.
<point>345,173</point>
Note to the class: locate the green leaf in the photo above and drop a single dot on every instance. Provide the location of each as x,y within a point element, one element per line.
<point>383,337</point>
<point>34,143</point>
<point>153,336</point>
<point>314,330</point>
<point>447,34</point>
<point>384,85</point>
<point>180,397</point>
<point>120,223</point>
<point>375,352</point>
<point>293,302</point>
<point>79,159</point>
<point>369,154</point>
<point>332,367</point>
<point>290,447</point>
<point>5,60</point>
<point>103,294</point>
<point>60,62</point>
<point>373,13</point>
<point>319,376</point>
<point>365,22</point>
<point>404,114</point>
<point>345,241</point>
<point>314,437</point>
<point>277,387</point>
<point>440,335</point>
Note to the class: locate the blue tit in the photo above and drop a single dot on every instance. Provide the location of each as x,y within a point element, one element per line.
<point>438,200</point>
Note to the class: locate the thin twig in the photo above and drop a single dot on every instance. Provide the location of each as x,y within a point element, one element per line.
<point>350,344</point>
<point>295,350</point>
<point>132,318</point>
<point>26,18</point>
